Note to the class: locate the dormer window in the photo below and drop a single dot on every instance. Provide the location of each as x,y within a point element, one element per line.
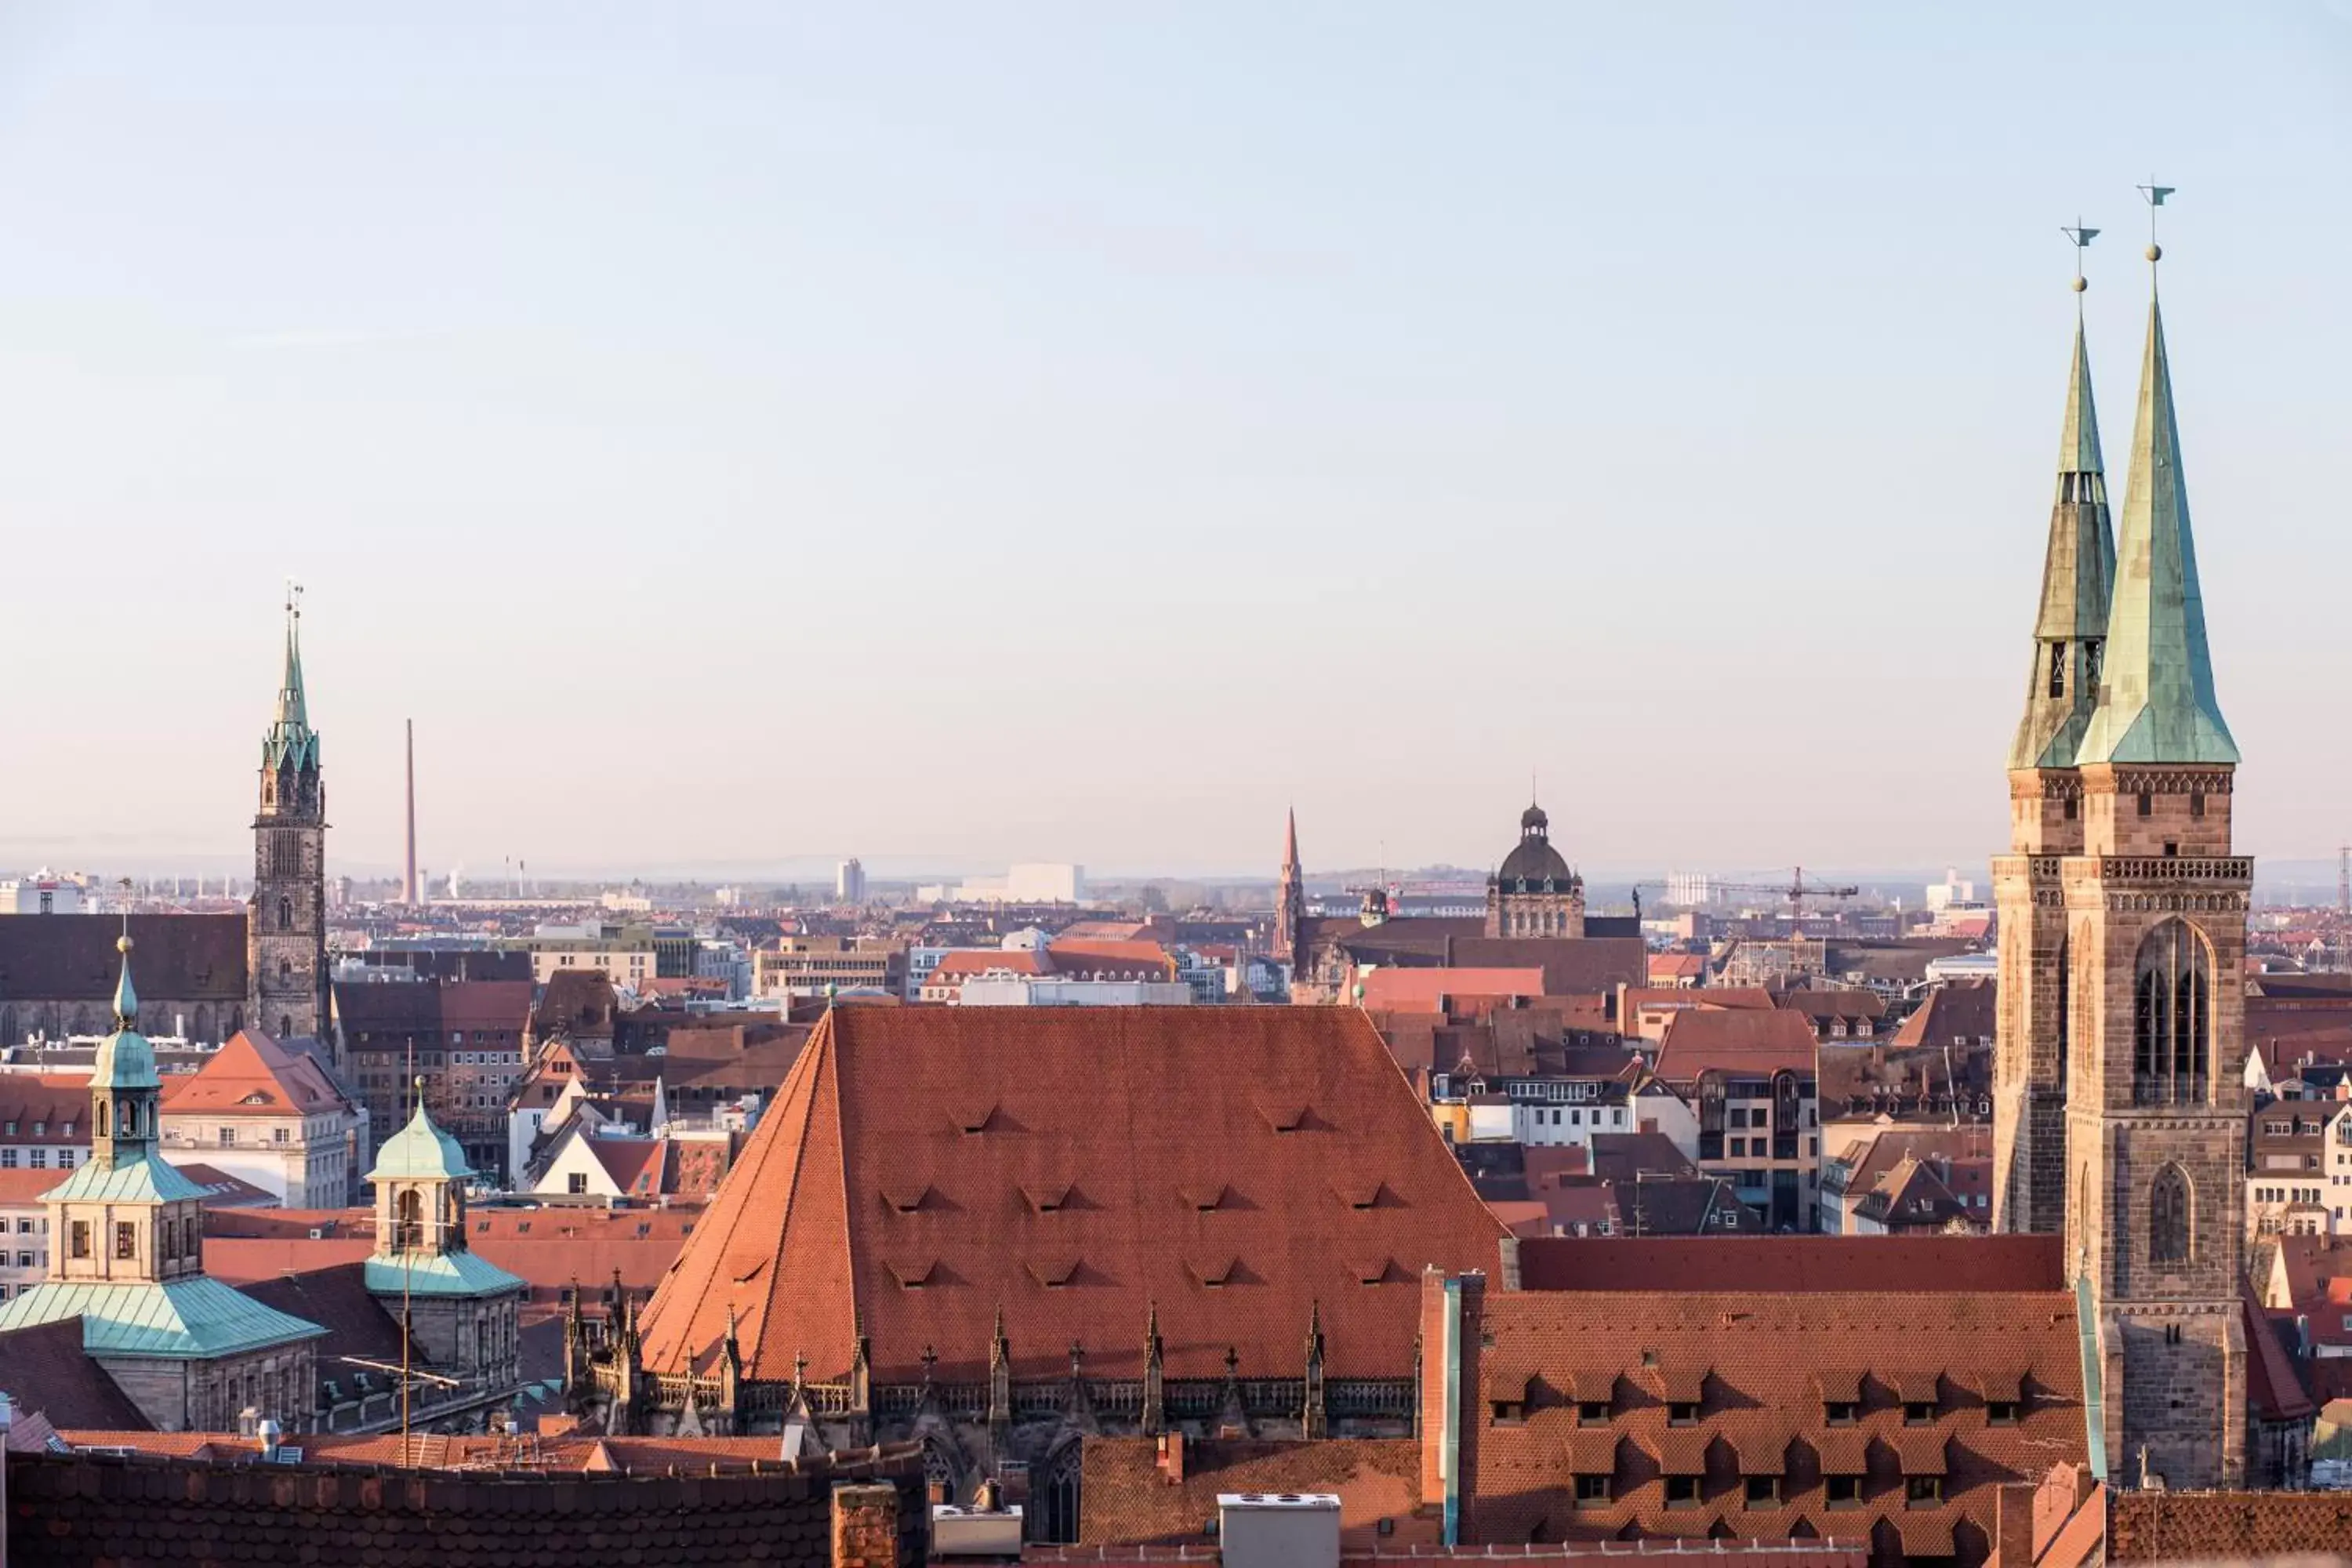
<point>2000,1411</point>
<point>1591,1411</point>
<point>1918,1412</point>
<point>1839,1412</point>
<point>1682,1412</point>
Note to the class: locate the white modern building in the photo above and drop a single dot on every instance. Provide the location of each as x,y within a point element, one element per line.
<point>1054,990</point>
<point>48,893</point>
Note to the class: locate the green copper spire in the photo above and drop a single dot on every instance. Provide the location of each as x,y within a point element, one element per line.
<point>2077,573</point>
<point>291,741</point>
<point>2156,700</point>
<point>126,998</point>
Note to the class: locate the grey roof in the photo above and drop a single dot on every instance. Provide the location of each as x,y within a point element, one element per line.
<point>2156,694</point>
<point>2077,575</point>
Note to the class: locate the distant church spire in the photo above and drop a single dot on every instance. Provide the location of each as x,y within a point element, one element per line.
<point>1289,893</point>
<point>2157,703</point>
<point>291,741</point>
<point>2077,573</point>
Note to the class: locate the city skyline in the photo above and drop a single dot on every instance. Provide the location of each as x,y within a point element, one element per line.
<point>1302,435</point>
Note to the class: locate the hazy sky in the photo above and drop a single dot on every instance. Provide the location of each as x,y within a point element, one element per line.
<point>958,432</point>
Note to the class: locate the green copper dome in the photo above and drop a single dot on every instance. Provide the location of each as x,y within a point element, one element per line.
<point>420,1151</point>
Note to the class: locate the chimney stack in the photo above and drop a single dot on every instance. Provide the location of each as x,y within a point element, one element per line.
<point>410,892</point>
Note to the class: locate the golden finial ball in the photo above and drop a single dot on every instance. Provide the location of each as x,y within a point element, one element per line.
<point>122,943</point>
<point>2081,284</point>
<point>2156,253</point>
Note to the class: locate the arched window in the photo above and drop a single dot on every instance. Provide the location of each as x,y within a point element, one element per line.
<point>408,1221</point>
<point>100,1129</point>
<point>285,914</point>
<point>2171,1016</point>
<point>1057,1497</point>
<point>2057,669</point>
<point>2167,1216</point>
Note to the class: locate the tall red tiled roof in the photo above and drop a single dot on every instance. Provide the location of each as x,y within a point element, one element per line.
<point>1135,1153</point>
<point>1796,1264</point>
<point>1756,1363</point>
<point>52,1102</point>
<point>2228,1527</point>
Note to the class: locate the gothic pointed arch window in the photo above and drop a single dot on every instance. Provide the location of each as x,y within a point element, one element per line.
<point>2169,1216</point>
<point>2172,1024</point>
<point>1057,1495</point>
<point>285,913</point>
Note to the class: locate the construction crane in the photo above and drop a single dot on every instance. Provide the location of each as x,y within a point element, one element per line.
<point>1796,890</point>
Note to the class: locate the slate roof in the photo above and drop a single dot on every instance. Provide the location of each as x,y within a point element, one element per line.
<point>1146,1150</point>
<point>44,1372</point>
<point>72,958</point>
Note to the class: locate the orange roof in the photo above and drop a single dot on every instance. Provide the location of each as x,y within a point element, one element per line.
<point>924,1166</point>
<point>964,962</point>
<point>252,1076</point>
<point>1699,1039</point>
<point>1080,958</point>
<point>1414,990</point>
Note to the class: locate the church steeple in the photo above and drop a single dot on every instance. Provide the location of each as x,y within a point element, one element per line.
<point>291,742</point>
<point>2156,698</point>
<point>2077,576</point>
<point>1289,893</point>
<point>286,922</point>
<point>124,1089</point>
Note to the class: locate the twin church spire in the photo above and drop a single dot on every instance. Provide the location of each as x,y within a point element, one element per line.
<point>2121,670</point>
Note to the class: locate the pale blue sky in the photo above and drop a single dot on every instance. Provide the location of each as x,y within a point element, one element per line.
<point>1075,431</point>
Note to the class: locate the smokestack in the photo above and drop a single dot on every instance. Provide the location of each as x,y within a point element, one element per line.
<point>411,893</point>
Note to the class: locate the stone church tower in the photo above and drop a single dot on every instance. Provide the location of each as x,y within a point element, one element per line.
<point>2146,974</point>
<point>285,924</point>
<point>2045,795</point>
<point>1289,895</point>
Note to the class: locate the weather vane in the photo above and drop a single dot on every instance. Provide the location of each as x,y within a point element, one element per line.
<point>2154,194</point>
<point>293,598</point>
<point>2081,238</point>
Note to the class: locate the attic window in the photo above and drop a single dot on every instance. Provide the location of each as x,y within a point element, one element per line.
<point>973,1120</point>
<point>1842,1491</point>
<point>1682,1412</point>
<point>907,1198</point>
<point>1287,1117</point>
<point>913,1276</point>
<point>1763,1491</point>
<point>1053,1272</point>
<point>1510,1413</point>
<point>1363,1194</point>
<point>1372,1271</point>
<point>1205,1199</point>
<point>1681,1491</point>
<point>1918,1412</point>
<point>1215,1273</point>
<point>1840,1412</point>
<point>1049,1197</point>
<point>2000,1411</point>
